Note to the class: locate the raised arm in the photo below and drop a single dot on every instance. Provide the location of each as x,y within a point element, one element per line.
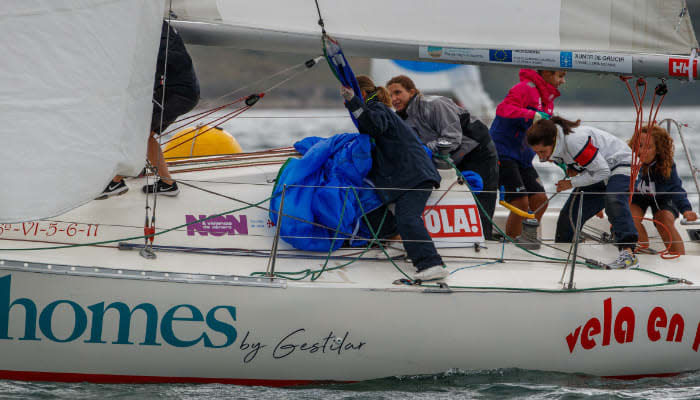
<point>371,119</point>
<point>515,105</point>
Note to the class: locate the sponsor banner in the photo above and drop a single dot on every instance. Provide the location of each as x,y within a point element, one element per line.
<point>501,55</point>
<point>604,62</point>
<point>619,325</point>
<point>551,59</point>
<point>107,323</point>
<point>452,223</point>
<point>211,225</point>
<point>205,225</point>
<point>454,54</point>
<point>537,58</point>
<point>679,67</point>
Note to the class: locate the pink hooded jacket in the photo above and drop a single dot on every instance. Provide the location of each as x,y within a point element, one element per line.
<point>515,113</point>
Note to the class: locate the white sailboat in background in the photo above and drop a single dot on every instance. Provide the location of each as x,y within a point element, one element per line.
<point>76,304</point>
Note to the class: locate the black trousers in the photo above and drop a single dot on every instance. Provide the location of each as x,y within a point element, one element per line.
<point>485,163</point>
<point>175,104</point>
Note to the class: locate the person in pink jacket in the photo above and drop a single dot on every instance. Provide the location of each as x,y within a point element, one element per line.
<point>528,101</point>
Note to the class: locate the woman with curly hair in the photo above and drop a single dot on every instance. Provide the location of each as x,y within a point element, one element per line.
<point>660,188</point>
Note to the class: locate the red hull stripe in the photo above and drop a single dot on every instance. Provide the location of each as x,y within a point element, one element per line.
<point>105,378</point>
<point>634,377</point>
<point>587,154</point>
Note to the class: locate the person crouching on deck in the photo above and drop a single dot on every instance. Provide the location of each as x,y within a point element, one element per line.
<point>659,175</point>
<point>439,118</point>
<point>599,164</point>
<point>527,102</point>
<point>399,162</point>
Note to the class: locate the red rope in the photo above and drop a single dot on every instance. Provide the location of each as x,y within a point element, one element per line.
<point>223,119</point>
<point>636,164</point>
<point>201,115</point>
<point>666,254</point>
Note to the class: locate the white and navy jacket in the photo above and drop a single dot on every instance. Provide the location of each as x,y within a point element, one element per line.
<point>652,182</point>
<point>594,153</point>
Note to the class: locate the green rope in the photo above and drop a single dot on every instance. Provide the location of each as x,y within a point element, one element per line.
<point>374,234</point>
<point>671,280</point>
<point>559,290</point>
<point>315,276</point>
<point>316,273</point>
<point>510,239</point>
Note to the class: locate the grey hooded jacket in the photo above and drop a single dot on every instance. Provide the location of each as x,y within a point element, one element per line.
<point>437,117</point>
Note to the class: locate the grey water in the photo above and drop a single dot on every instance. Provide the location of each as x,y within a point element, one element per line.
<point>491,384</point>
<point>280,128</point>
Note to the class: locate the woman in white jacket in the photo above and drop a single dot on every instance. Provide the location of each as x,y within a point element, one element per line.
<point>597,163</point>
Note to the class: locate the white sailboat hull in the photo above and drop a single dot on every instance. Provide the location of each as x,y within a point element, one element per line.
<point>195,314</point>
<point>301,333</point>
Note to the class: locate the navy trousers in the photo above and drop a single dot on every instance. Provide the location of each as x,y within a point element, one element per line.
<point>409,223</point>
<point>601,196</point>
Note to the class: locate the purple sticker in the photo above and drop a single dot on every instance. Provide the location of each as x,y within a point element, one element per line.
<point>217,226</point>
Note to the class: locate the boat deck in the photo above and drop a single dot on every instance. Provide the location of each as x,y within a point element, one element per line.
<point>106,235</point>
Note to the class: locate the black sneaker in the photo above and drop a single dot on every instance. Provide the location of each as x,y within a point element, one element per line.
<point>162,188</point>
<point>113,189</point>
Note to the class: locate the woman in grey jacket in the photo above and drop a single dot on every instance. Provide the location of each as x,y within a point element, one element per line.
<point>439,118</point>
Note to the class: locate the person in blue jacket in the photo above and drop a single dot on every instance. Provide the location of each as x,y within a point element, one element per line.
<point>659,187</point>
<point>399,162</point>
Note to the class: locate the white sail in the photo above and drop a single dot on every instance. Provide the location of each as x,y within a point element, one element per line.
<point>599,35</point>
<point>75,99</point>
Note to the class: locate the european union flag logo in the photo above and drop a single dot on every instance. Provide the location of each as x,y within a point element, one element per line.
<point>566,59</point>
<point>501,55</point>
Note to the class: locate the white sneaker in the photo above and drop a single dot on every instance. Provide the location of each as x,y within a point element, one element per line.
<point>431,274</point>
<point>624,260</point>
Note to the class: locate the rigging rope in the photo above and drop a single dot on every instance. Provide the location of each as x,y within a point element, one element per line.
<point>308,64</point>
<point>316,274</point>
<point>225,118</point>
<point>150,228</point>
<point>249,100</point>
<point>636,165</point>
